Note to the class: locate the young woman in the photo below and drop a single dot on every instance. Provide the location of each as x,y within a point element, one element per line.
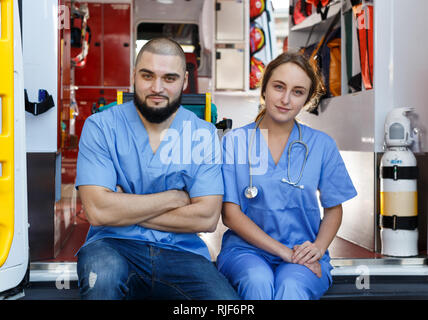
<point>276,245</point>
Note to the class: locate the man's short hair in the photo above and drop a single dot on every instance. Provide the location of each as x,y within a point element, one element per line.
<point>163,46</point>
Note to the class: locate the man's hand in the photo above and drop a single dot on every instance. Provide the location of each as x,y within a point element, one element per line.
<point>104,207</point>
<point>182,197</point>
<point>201,215</point>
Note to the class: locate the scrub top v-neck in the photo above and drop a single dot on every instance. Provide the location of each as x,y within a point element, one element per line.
<point>114,149</point>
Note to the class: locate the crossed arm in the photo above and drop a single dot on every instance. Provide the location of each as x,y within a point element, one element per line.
<point>171,210</point>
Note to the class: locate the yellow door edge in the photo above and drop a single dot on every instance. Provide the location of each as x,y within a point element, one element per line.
<point>7,205</point>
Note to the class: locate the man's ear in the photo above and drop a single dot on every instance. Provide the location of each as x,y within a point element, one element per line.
<point>186,80</point>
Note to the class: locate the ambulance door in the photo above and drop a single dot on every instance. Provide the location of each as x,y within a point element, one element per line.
<point>13,170</point>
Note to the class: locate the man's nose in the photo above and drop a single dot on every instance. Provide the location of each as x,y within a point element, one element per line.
<point>157,85</point>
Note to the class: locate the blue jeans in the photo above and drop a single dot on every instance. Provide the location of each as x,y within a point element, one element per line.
<point>116,269</point>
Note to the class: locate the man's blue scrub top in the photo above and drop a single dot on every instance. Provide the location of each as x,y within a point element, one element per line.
<point>288,214</point>
<point>114,149</point>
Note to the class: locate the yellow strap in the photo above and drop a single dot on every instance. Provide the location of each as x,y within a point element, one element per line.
<point>208,106</point>
<point>7,210</point>
<point>119,97</point>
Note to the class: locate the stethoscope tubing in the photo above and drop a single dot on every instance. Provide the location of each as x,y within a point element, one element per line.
<point>251,191</point>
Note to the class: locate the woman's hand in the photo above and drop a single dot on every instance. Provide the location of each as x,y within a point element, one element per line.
<point>307,252</point>
<point>315,268</point>
<point>284,253</point>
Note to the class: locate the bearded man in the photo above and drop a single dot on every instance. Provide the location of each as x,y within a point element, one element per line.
<point>145,213</point>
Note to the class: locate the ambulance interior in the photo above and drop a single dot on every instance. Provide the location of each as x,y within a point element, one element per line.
<point>115,32</point>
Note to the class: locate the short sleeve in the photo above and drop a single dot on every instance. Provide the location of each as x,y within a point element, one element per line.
<point>229,170</point>
<point>94,163</point>
<point>207,179</point>
<point>335,185</point>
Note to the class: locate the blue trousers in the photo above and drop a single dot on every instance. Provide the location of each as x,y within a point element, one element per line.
<point>256,278</point>
<point>116,269</point>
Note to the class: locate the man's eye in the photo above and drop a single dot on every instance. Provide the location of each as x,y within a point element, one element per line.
<point>170,79</point>
<point>147,76</point>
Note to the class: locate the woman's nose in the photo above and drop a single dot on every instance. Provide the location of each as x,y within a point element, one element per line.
<point>285,99</point>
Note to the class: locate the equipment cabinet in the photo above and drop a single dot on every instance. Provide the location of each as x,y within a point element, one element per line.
<point>231,63</point>
<point>356,120</point>
<point>109,52</point>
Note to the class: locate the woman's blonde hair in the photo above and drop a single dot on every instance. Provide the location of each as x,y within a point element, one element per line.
<point>317,89</point>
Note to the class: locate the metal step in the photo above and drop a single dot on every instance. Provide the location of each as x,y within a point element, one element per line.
<point>385,278</point>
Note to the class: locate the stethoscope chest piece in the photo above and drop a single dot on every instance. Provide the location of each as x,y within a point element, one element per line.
<point>251,192</point>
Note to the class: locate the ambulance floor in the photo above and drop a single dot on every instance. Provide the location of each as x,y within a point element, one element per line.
<point>344,287</point>
<point>70,203</point>
<point>339,248</point>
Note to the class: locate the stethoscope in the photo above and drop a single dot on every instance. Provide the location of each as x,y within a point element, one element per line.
<point>252,191</point>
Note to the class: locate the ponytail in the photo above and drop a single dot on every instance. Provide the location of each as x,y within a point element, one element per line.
<point>261,114</point>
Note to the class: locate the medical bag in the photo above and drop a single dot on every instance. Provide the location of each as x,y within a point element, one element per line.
<point>299,11</point>
<point>257,38</point>
<point>322,7</point>
<point>257,68</point>
<point>363,13</point>
<point>257,7</point>
<point>326,57</point>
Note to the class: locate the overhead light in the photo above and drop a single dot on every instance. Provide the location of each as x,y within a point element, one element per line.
<point>188,48</point>
<point>165,1</point>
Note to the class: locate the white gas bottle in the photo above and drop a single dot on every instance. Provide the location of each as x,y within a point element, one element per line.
<point>398,189</point>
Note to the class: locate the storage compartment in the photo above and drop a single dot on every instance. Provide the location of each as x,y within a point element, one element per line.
<point>230,68</point>
<point>91,73</point>
<point>108,60</point>
<point>232,57</point>
<point>230,20</point>
<point>117,45</point>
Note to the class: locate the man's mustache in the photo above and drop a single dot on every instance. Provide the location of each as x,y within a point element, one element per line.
<point>157,96</point>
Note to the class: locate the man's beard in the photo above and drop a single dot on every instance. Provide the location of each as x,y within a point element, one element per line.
<point>156,115</point>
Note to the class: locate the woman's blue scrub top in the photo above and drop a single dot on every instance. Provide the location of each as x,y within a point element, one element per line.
<point>114,149</point>
<point>288,214</point>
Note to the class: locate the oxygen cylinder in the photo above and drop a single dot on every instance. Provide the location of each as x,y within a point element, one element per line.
<point>398,189</point>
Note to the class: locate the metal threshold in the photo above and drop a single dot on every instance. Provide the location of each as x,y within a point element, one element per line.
<point>413,266</point>
<point>388,266</point>
<point>53,271</point>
